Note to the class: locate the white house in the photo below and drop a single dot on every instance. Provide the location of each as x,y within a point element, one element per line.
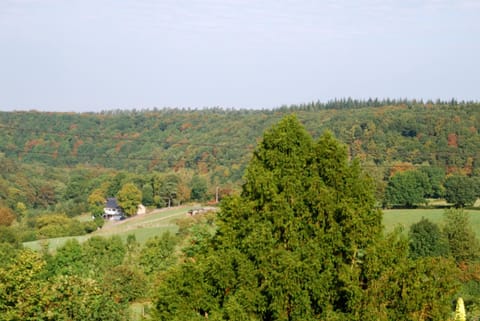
<point>112,211</point>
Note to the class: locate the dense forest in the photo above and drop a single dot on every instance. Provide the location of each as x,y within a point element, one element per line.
<point>220,142</point>
<point>216,144</point>
<point>299,233</point>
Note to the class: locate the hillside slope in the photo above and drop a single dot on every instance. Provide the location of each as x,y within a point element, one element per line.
<point>220,142</point>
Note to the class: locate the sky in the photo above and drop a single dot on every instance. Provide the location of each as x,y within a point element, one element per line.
<point>93,55</point>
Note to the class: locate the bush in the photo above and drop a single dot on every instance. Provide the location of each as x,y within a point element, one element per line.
<point>89,226</point>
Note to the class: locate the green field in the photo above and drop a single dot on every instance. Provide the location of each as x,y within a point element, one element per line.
<point>159,221</point>
<point>406,217</point>
<point>143,227</point>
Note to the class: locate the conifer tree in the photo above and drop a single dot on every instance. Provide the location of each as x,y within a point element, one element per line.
<point>303,241</point>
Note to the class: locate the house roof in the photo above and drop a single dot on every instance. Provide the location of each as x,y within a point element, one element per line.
<point>111,203</point>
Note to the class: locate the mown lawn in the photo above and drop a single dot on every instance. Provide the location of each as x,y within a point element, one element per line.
<point>406,217</point>
<point>143,227</point>
<point>158,222</point>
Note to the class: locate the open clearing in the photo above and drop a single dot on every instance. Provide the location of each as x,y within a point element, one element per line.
<point>143,227</point>
<point>159,221</point>
<point>406,217</point>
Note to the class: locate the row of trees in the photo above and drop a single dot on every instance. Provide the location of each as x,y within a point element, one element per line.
<point>413,187</point>
<point>26,188</point>
<point>155,190</point>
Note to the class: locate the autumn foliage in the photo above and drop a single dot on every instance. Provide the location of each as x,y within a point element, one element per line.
<point>6,216</point>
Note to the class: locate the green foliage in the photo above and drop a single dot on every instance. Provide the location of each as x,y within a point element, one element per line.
<point>403,289</point>
<point>102,254</point>
<point>43,169</point>
<point>91,259</point>
<point>7,253</point>
<point>147,195</point>
<point>21,284</point>
<point>9,235</point>
<point>426,240</point>
<point>461,190</point>
<point>125,283</point>
<point>436,178</point>
<point>415,290</point>
<point>303,242</point>
<point>199,188</point>
<point>407,188</point>
<point>74,298</point>
<point>198,239</point>
<point>57,225</point>
<point>96,202</point>
<point>216,143</point>
<point>116,184</point>
<point>167,188</point>
<point>68,260</point>
<point>129,197</point>
<point>158,253</point>
<point>464,245</point>
<point>470,291</point>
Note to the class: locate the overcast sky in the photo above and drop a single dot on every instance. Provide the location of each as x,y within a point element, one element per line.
<point>92,55</point>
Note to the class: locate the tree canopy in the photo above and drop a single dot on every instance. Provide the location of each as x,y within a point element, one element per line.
<point>129,197</point>
<point>461,190</point>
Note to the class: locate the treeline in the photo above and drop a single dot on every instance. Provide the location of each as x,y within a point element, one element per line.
<point>220,142</point>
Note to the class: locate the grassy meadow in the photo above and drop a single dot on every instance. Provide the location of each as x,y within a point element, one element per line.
<point>143,227</point>
<point>406,217</point>
<point>159,221</point>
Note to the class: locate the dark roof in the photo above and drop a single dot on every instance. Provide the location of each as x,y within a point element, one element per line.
<point>111,203</point>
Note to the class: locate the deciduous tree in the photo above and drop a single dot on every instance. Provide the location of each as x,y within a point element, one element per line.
<point>6,216</point>
<point>129,197</point>
<point>461,190</point>
<point>96,202</point>
<point>463,243</point>
<point>407,188</point>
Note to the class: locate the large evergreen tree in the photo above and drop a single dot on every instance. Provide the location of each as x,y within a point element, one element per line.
<point>303,241</point>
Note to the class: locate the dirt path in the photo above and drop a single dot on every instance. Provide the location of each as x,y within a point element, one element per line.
<point>137,220</point>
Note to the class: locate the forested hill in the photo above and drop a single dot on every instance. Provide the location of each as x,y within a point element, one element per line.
<point>218,142</point>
